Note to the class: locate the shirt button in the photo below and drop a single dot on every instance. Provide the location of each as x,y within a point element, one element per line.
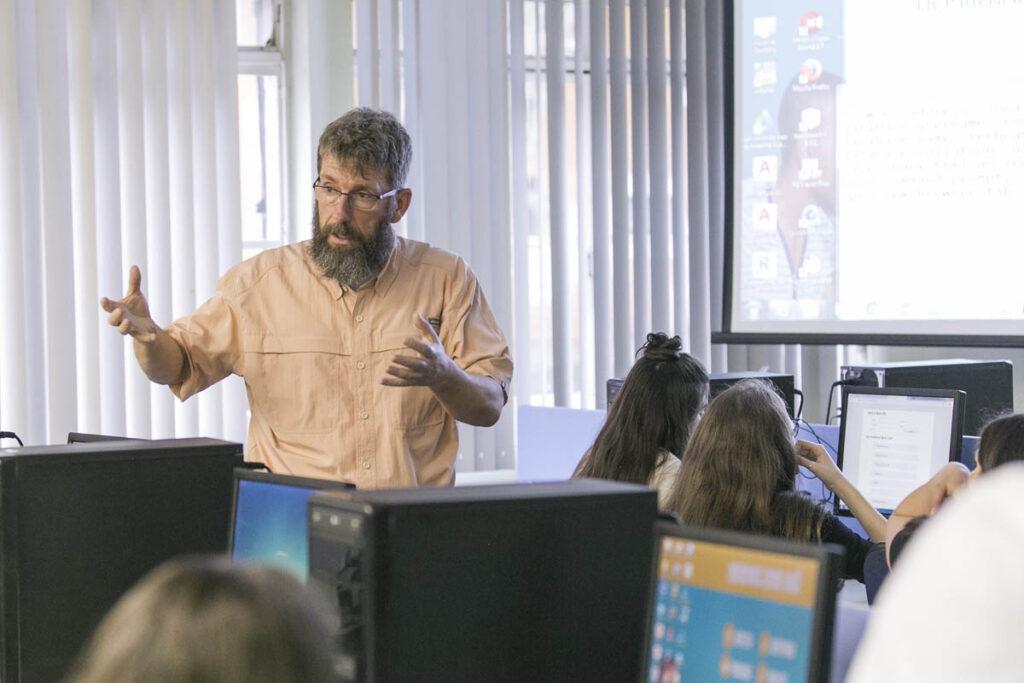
<point>360,365</point>
<point>364,415</point>
<point>359,318</point>
<point>366,465</point>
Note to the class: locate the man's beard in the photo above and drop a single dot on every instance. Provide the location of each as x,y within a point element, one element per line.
<point>360,260</point>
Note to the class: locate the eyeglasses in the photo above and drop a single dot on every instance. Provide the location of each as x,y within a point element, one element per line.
<point>363,201</point>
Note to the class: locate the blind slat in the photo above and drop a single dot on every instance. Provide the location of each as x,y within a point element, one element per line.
<point>13,378</point>
<point>83,197</point>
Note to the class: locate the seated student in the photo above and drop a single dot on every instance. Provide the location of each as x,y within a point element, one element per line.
<point>952,611</point>
<point>651,418</point>
<point>204,619</point>
<point>1002,441</point>
<point>739,472</point>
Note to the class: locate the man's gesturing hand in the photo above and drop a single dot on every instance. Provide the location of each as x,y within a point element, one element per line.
<point>430,367</point>
<point>130,315</point>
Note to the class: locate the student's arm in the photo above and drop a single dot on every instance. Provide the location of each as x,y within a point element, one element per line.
<point>469,398</point>
<point>813,457</point>
<point>925,499</point>
<point>159,356</point>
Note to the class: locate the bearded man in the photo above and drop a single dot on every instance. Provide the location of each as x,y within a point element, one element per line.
<point>359,349</point>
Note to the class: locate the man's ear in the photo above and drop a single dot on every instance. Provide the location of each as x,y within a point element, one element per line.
<point>402,200</point>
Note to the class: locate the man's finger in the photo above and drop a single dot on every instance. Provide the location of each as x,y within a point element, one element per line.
<point>407,362</point>
<point>134,281</point>
<point>125,327</point>
<point>419,346</point>
<point>116,316</point>
<point>427,329</point>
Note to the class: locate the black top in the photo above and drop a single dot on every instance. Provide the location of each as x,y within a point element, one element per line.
<point>875,571</point>
<point>857,547</point>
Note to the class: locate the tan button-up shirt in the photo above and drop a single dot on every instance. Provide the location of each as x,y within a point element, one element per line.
<point>313,355</point>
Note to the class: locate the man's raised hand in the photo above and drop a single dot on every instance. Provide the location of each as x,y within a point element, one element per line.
<point>130,314</point>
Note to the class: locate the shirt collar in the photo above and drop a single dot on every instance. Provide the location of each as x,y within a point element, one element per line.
<point>381,283</point>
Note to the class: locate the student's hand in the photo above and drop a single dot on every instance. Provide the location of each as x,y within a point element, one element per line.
<point>130,314</point>
<point>813,457</point>
<point>430,367</point>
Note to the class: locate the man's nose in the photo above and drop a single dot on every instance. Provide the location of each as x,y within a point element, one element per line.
<point>342,210</point>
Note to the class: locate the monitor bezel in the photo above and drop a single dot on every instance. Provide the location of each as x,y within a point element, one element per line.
<point>956,425</point>
<point>267,477</point>
<point>828,556</point>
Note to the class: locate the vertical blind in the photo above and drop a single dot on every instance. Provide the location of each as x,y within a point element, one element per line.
<point>118,146</point>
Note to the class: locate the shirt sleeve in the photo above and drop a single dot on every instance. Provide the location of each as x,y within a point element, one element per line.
<point>856,546</point>
<point>211,341</point>
<point>470,332</point>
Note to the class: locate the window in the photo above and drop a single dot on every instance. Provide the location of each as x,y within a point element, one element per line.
<point>261,124</point>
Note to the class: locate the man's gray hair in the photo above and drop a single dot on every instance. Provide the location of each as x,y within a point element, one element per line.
<point>370,141</point>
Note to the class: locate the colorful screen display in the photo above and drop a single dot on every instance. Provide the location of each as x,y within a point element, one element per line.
<point>726,613</point>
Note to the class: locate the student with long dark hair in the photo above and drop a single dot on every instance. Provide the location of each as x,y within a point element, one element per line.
<point>651,418</point>
<point>739,472</point>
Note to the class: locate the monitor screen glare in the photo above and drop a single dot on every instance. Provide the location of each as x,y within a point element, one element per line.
<point>270,525</point>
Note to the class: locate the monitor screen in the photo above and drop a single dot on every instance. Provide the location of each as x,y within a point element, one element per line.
<point>728,606</point>
<point>891,440</point>
<point>269,518</point>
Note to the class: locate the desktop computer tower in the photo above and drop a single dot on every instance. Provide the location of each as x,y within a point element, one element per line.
<point>989,384</point>
<point>720,381</point>
<point>522,582</point>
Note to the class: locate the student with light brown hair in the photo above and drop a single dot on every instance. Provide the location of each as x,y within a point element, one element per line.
<point>204,620</point>
<point>739,472</point>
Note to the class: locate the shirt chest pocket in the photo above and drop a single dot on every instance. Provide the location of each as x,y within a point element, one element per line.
<point>406,407</point>
<point>295,382</point>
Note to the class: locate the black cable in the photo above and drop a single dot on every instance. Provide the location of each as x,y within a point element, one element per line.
<point>829,496</point>
<point>11,435</point>
<point>831,390</point>
<point>799,411</point>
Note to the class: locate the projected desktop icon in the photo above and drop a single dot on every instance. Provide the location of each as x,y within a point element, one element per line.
<point>810,71</point>
<point>764,27</point>
<point>765,75</point>
<point>762,122</point>
<point>765,216</point>
<point>765,266</point>
<point>766,169</point>
<point>810,118</point>
<point>812,217</point>
<point>810,23</point>
<point>810,169</point>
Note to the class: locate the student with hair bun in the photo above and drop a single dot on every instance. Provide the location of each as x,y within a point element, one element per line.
<point>651,418</point>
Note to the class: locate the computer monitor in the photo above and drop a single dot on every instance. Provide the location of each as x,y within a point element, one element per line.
<point>268,519</point>
<point>82,523</point>
<point>731,606</point>
<point>891,440</point>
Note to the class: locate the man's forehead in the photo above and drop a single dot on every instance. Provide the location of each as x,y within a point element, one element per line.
<point>347,169</point>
